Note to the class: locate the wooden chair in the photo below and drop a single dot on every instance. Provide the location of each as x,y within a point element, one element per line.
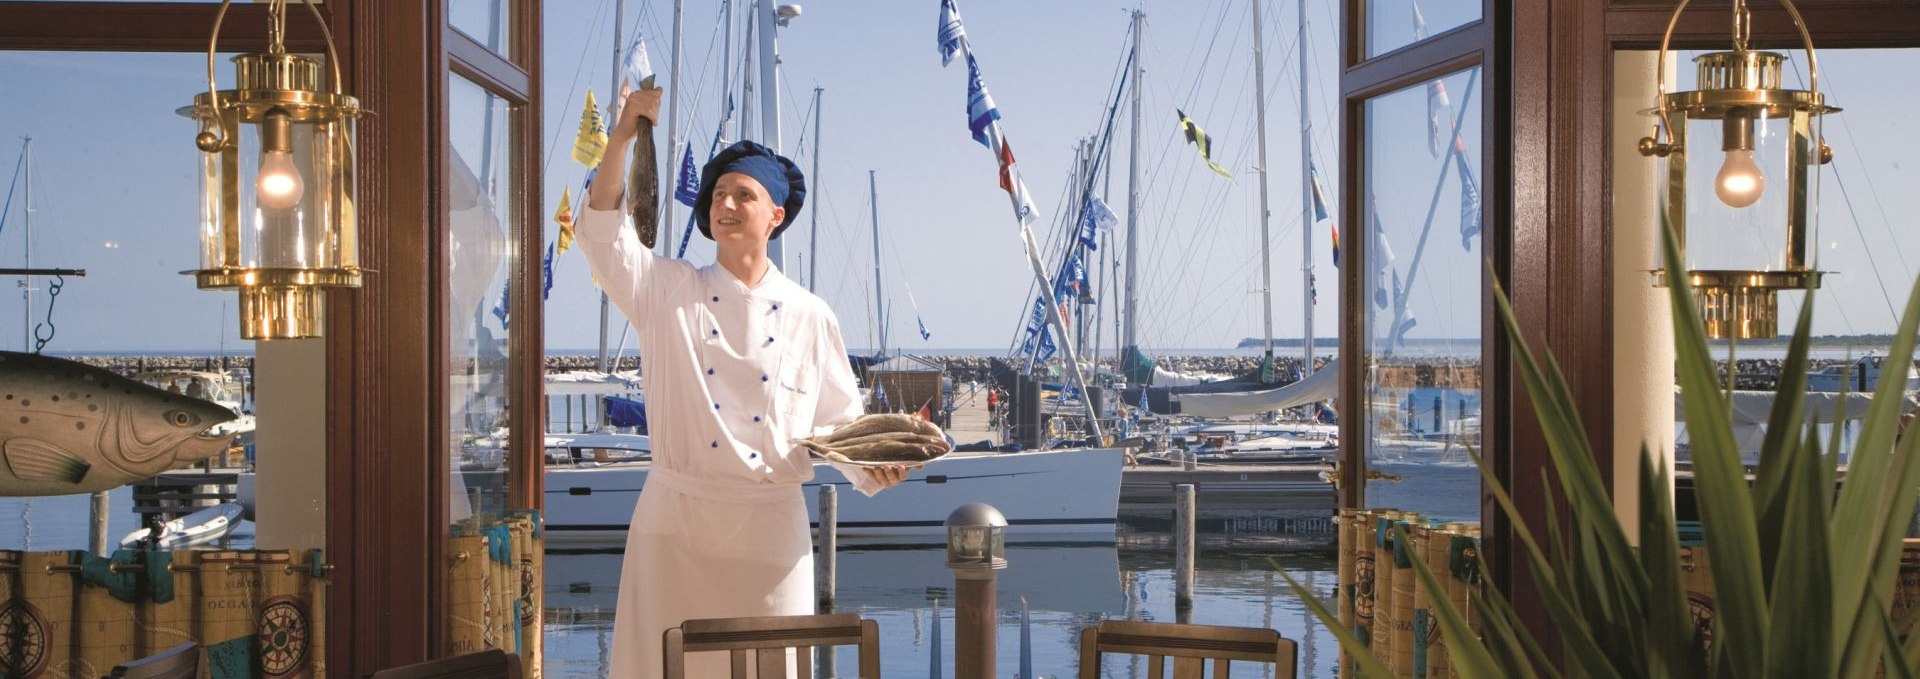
<point>179,662</point>
<point>492,663</point>
<point>1190,646</point>
<point>766,640</point>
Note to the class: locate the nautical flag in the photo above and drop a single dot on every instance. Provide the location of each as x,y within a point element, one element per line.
<point>1005,156</point>
<point>1380,256</point>
<point>591,142</point>
<point>1143,402</point>
<point>1319,200</point>
<point>1419,23</point>
<point>952,37</point>
<point>564,217</point>
<point>546,274</point>
<point>1313,288</point>
<point>503,309</point>
<point>1439,109</point>
<point>1407,323</point>
<point>687,188</point>
<point>1469,197</point>
<point>637,68</point>
<point>980,109</point>
<point>924,333</point>
<point>1202,141</point>
<point>1037,327</point>
<point>880,392</point>
<point>1336,244</point>
<point>1098,217</point>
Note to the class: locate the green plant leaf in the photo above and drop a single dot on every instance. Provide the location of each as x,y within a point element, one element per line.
<point>1472,661</point>
<point>1726,503</point>
<point>1780,444</point>
<point>1368,666</point>
<point>1802,596</point>
<point>1672,650</point>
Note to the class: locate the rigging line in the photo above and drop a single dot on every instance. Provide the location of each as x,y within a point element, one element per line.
<point>7,209</point>
<point>579,66</point>
<point>1864,247</point>
<point>1218,206</point>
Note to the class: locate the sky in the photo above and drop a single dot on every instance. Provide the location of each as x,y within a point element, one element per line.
<point>114,185</point>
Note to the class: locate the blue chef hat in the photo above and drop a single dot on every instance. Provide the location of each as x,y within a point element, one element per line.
<point>782,180</point>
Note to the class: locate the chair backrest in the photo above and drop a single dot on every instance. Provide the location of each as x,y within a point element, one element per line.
<point>1190,646</point>
<point>492,663</point>
<point>179,662</point>
<point>762,643</point>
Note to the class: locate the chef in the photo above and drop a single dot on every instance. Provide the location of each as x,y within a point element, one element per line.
<point>740,361</point>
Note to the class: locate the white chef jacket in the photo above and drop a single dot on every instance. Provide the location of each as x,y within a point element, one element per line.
<point>733,374</point>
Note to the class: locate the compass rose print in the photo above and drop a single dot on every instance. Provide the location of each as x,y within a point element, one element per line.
<point>23,640</point>
<point>284,634</point>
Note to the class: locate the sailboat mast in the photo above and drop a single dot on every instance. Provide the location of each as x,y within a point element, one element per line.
<point>26,281</point>
<point>613,93</point>
<point>1306,199</point>
<point>879,297</point>
<point>1266,247</point>
<point>1133,188</point>
<point>813,239</point>
<point>766,15</point>
<point>673,130</point>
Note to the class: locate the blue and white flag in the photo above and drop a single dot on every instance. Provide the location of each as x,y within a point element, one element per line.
<point>1037,327</point>
<point>504,308</point>
<point>1469,198</point>
<point>924,333</point>
<point>880,392</point>
<point>1097,217</point>
<point>546,274</point>
<point>952,37</point>
<point>687,188</point>
<point>1379,256</point>
<point>980,109</point>
<point>1142,408</point>
<point>1319,200</point>
<point>637,67</point>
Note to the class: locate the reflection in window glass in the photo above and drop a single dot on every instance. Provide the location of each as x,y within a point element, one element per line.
<point>481,178</point>
<point>1393,24</point>
<point>1423,309</point>
<point>486,21</point>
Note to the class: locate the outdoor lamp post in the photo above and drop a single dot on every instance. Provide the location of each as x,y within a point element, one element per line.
<point>1760,148</point>
<point>976,552</point>
<point>277,213</point>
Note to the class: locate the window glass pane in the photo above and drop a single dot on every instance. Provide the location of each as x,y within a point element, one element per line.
<point>482,174</point>
<point>1861,237</point>
<point>1423,310</point>
<point>488,22</point>
<point>1393,24</point>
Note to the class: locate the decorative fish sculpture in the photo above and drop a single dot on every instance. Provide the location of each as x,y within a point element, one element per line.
<point>643,181</point>
<point>889,438</point>
<point>68,427</point>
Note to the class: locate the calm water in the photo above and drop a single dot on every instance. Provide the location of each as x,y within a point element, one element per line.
<point>1067,588</point>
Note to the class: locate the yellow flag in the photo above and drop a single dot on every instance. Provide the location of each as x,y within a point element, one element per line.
<point>592,141</point>
<point>564,217</point>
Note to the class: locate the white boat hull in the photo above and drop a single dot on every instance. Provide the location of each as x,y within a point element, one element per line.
<point>1067,495</point>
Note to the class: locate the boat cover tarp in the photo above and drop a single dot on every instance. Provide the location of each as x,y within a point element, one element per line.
<point>626,412</point>
<point>1756,407</point>
<point>1322,385</point>
<point>590,383</point>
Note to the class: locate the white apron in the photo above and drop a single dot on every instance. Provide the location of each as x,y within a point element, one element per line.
<point>733,374</point>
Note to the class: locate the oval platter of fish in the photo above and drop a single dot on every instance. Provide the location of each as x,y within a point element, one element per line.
<point>881,440</point>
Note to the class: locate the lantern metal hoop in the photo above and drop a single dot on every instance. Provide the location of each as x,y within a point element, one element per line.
<point>300,104</point>
<point>1737,79</point>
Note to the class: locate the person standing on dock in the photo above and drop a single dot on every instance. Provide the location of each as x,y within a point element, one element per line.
<point>740,361</point>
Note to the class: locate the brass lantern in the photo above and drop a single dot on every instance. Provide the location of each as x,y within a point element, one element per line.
<point>1752,236</point>
<point>276,185</point>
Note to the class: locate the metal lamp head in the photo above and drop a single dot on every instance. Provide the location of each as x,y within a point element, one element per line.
<point>976,540</point>
<point>277,189</point>
<point>1768,153</point>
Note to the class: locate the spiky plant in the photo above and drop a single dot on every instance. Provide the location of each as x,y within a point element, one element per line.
<point>1802,579</point>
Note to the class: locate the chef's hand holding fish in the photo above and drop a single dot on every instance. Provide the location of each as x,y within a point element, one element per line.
<point>905,441</point>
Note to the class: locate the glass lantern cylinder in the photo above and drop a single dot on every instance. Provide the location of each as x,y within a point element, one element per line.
<point>976,538</point>
<point>277,215</point>
<point>1742,188</point>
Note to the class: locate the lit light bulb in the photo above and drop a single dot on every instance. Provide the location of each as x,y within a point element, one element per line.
<point>1739,183</point>
<point>279,185</point>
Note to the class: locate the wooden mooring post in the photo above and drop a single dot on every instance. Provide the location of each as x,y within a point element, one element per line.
<point>825,563</point>
<point>1183,542</point>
